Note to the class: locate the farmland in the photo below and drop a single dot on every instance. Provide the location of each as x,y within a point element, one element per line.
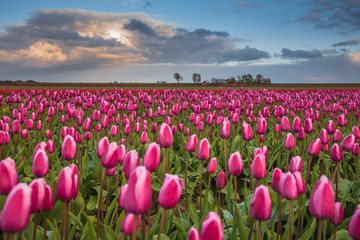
<point>179,162</point>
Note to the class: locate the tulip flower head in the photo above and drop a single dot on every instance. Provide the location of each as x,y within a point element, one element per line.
<point>170,191</point>
<point>211,168</point>
<point>338,216</point>
<point>260,206</point>
<point>165,136</point>
<point>191,143</point>
<point>151,158</point>
<point>353,227</point>
<point>67,184</point>
<point>194,234</point>
<point>235,164</point>
<point>68,149</point>
<point>321,203</point>
<point>127,224</point>
<point>203,152</point>
<point>212,228</point>
<point>220,180</point>
<point>8,175</point>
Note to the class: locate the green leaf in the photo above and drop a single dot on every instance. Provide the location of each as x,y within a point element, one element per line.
<point>162,237</point>
<point>309,231</point>
<point>76,221</point>
<point>240,224</point>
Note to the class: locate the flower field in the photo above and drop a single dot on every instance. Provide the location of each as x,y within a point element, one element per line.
<point>179,164</point>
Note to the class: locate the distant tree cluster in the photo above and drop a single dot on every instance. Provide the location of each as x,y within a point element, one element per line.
<point>245,79</point>
<point>196,78</point>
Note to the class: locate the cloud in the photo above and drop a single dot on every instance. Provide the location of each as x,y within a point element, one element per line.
<point>354,57</point>
<point>63,39</point>
<point>343,15</point>
<point>303,54</point>
<point>242,4</point>
<point>347,43</point>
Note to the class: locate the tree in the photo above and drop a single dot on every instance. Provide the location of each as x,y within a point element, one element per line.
<point>196,78</point>
<point>178,77</point>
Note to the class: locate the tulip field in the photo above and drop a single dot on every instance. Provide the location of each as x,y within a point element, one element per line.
<point>179,164</point>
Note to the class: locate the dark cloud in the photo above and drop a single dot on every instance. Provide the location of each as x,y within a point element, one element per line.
<point>293,54</point>
<point>136,25</point>
<point>147,4</point>
<point>347,43</point>
<point>343,15</point>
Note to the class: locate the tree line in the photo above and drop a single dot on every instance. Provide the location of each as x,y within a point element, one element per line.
<point>245,79</point>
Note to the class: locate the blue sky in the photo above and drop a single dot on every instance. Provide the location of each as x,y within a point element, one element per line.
<point>312,41</point>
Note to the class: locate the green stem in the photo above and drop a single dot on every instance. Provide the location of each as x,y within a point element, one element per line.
<point>35,225</point>
<point>161,224</point>
<point>201,181</point>
<point>134,232</point>
<point>319,229</point>
<point>186,192</point>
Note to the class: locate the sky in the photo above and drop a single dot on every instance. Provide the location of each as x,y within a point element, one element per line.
<point>288,41</point>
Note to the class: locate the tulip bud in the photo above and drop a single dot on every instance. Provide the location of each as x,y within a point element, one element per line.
<point>40,167</point>
<point>336,153</point>
<point>15,213</point>
<point>67,184</point>
<point>212,227</point>
<point>330,127</point>
<point>301,186</point>
<point>348,142</point>
<point>131,161</point>
<point>285,124</point>
<point>314,147</point>
<point>308,126</point>
<point>341,120</point>
<point>356,132</point>
<point>68,148</point>
<point>211,168</point>
<point>15,127</point>
<point>143,138</point>
<point>296,164</point>
<point>260,206</point>
<point>353,227</point>
<point>170,191</point>
<point>355,150</point>
<point>261,126</point>
<point>321,203</point>
<point>324,136</point>
<point>127,224</point>
<point>37,194</point>
<point>296,126</point>
<point>48,134</point>
<point>48,201</point>
<point>191,143</point>
<point>247,131</point>
<point>289,141</point>
<point>204,149</point>
<point>127,130</point>
<point>225,129</point>
<point>288,186</point>
<point>165,136</point>
<point>276,176</point>
<point>110,157</point>
<point>338,216</point>
<point>258,166</point>
<point>151,158</point>
<point>122,196</point>
<point>220,180</point>
<point>24,134</point>
<point>337,136</point>
<point>101,147</point>
<point>138,196</point>
<point>194,234</point>
<point>8,175</point>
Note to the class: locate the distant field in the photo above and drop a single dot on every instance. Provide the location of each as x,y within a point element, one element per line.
<point>170,86</point>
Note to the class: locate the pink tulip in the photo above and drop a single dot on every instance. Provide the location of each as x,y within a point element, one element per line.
<point>143,138</point>
<point>220,180</point>
<point>296,126</point>
<point>131,162</point>
<point>15,127</point>
<point>152,156</point>
<point>48,134</point>
<point>225,129</point>
<point>288,187</point>
<point>211,168</point>
<point>50,147</point>
<point>324,136</point>
<point>110,157</point>
<point>235,164</point>
<point>68,148</point>
<point>301,187</point>
<point>258,167</point>
<point>356,132</point>
<point>314,147</point>
<point>194,234</point>
<point>276,176</point>
<point>101,147</point>
<point>24,134</point>
<point>348,142</point>
<point>138,196</point>
<point>170,191</point>
<point>308,126</point>
<point>356,150</point>
<point>8,175</point>
<point>165,136</point>
<point>122,196</point>
<point>87,124</point>
<point>260,206</point>
<point>67,184</point>
<point>321,203</point>
<point>285,124</point>
<point>247,132</point>
<point>40,167</point>
<point>338,216</point>
<point>48,200</point>
<point>353,227</point>
<point>127,224</point>
<point>289,141</point>
<point>341,120</point>
<point>204,149</point>
<point>296,164</point>
<point>300,135</point>
<point>337,136</point>
<point>191,143</point>
<point>212,228</point>
<point>15,213</point>
<point>114,130</point>
<point>127,130</point>
<point>330,127</point>
<point>261,126</point>
<point>336,153</point>
<point>37,194</point>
